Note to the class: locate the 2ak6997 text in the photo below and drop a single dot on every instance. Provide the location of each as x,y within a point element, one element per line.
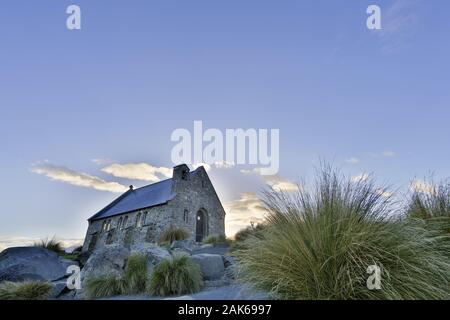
<point>249,309</point>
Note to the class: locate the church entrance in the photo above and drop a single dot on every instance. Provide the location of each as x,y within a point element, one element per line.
<point>201,228</point>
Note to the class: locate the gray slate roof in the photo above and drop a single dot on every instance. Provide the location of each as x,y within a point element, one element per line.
<point>149,196</point>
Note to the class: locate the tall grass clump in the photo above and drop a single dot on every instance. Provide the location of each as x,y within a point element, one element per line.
<point>173,234</point>
<point>135,275</point>
<point>104,286</point>
<point>28,290</point>
<point>319,243</point>
<point>431,203</point>
<point>216,239</point>
<point>177,275</point>
<point>133,281</point>
<point>50,244</point>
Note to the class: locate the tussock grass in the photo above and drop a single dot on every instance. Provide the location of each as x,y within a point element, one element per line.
<point>318,244</point>
<point>174,234</point>
<point>175,276</point>
<point>216,239</point>
<point>133,281</point>
<point>105,286</point>
<point>28,290</point>
<point>50,244</point>
<point>135,276</point>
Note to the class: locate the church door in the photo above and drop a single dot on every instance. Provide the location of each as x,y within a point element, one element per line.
<point>200,226</point>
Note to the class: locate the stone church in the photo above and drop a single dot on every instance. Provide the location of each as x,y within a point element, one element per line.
<point>187,200</point>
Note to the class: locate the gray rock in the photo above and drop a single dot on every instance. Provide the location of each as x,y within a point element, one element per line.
<point>211,264</point>
<point>31,263</point>
<point>154,254</point>
<point>110,260</point>
<point>58,288</point>
<point>185,245</point>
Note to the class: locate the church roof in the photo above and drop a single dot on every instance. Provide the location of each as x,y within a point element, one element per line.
<point>134,199</point>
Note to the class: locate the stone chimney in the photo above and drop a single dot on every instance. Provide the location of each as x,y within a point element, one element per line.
<point>180,172</point>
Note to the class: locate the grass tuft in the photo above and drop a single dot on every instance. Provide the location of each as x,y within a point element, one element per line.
<point>135,276</point>
<point>105,286</point>
<point>318,244</point>
<point>175,276</point>
<point>28,290</point>
<point>216,239</point>
<point>50,244</point>
<point>174,234</point>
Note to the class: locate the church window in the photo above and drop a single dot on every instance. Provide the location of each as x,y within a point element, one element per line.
<point>125,222</point>
<point>138,220</point>
<point>186,216</point>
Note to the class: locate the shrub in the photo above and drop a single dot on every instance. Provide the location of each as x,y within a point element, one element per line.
<point>50,244</point>
<point>174,234</point>
<point>215,239</point>
<point>135,276</point>
<point>249,231</point>
<point>133,281</point>
<point>319,244</point>
<point>175,276</point>
<point>105,286</point>
<point>432,206</point>
<point>28,290</point>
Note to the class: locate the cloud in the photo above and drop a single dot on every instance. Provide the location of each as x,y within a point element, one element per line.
<point>63,174</point>
<point>352,160</point>
<point>360,177</point>
<point>398,25</point>
<point>8,242</point>
<point>241,212</point>
<point>138,171</point>
<point>201,164</point>
<point>224,164</point>
<point>388,154</point>
<point>421,186</point>
<point>384,193</point>
<point>102,161</point>
<point>279,184</point>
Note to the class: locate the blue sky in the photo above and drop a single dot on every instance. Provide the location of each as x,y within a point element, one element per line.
<point>366,100</point>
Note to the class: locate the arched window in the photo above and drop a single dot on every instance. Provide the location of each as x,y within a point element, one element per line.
<point>144,218</point>
<point>119,224</point>
<point>104,226</point>
<point>124,225</point>
<point>186,216</point>
<point>138,220</point>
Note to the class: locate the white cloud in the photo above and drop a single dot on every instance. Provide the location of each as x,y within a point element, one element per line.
<point>352,160</point>
<point>279,184</point>
<point>8,242</point>
<point>422,186</point>
<point>224,164</point>
<point>201,164</point>
<point>80,179</point>
<point>138,171</point>
<point>241,212</point>
<point>102,161</point>
<point>388,153</point>
<point>360,177</point>
<point>384,193</point>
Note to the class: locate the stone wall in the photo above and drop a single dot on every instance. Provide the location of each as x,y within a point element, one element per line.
<point>194,192</point>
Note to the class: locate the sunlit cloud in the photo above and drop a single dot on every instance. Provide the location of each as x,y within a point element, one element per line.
<point>138,171</point>
<point>242,212</point>
<point>201,164</point>
<point>360,177</point>
<point>279,184</point>
<point>352,160</point>
<point>80,179</point>
<point>421,186</point>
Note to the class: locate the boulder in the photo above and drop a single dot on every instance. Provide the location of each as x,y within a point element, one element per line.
<point>32,263</point>
<point>184,245</point>
<point>154,254</point>
<point>212,265</point>
<point>109,260</point>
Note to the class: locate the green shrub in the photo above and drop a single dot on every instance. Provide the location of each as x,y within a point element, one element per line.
<point>135,276</point>
<point>174,234</point>
<point>175,276</point>
<point>50,244</point>
<point>105,286</point>
<point>318,245</point>
<point>249,231</point>
<point>28,290</point>
<point>133,281</point>
<point>216,239</point>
